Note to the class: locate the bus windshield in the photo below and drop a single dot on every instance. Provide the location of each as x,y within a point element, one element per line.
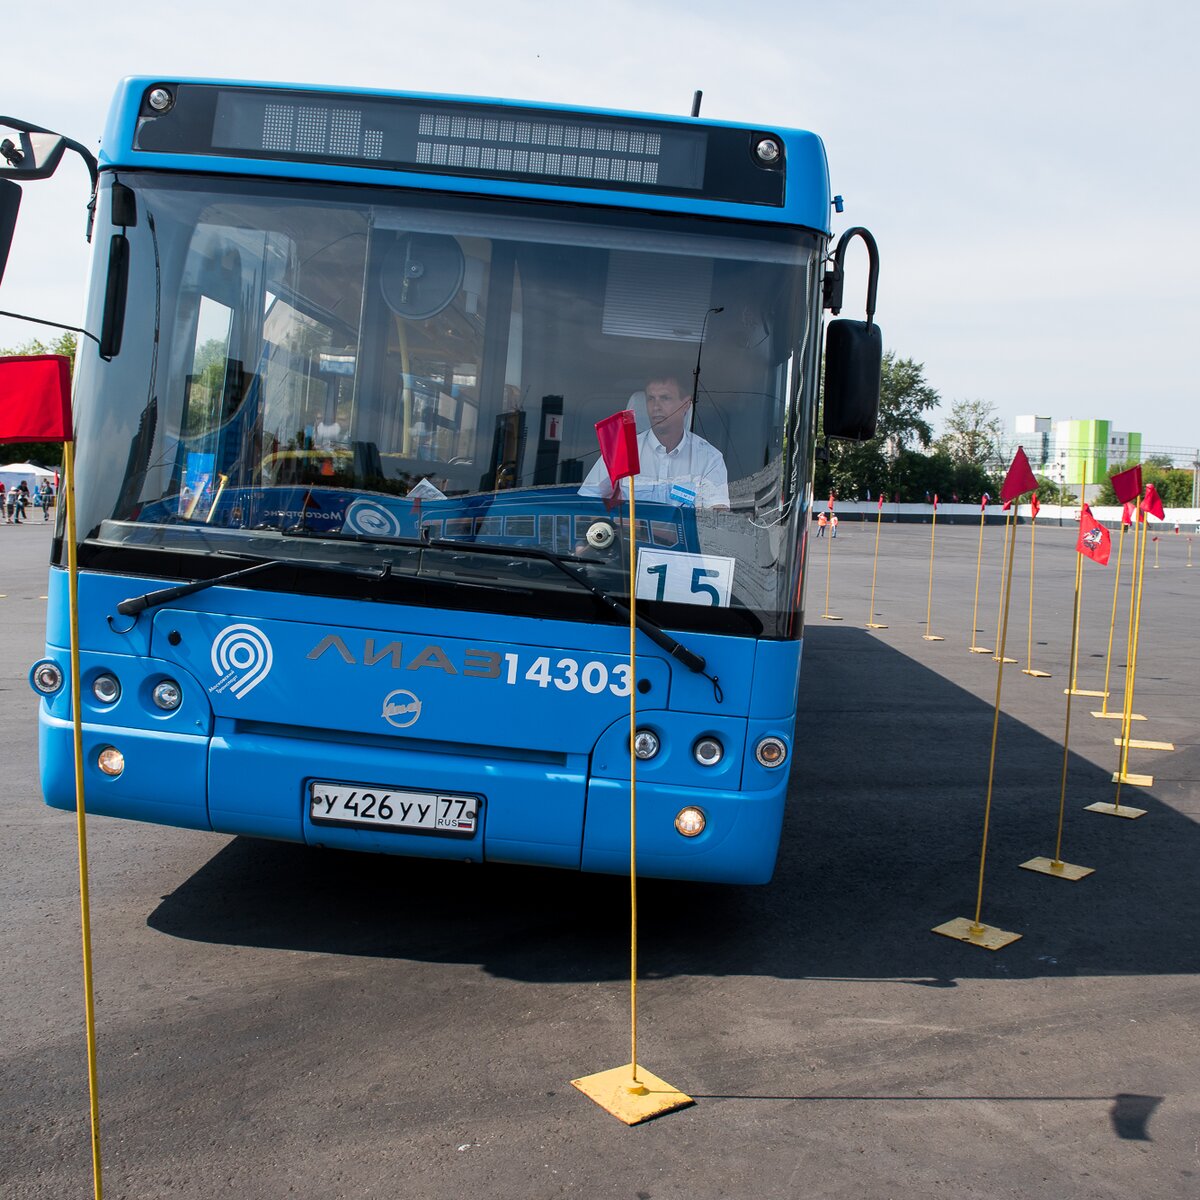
<point>326,373</point>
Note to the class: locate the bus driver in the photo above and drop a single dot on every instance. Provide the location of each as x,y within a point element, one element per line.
<point>677,465</point>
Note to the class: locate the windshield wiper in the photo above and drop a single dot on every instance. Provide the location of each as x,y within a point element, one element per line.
<point>655,632</point>
<point>133,605</point>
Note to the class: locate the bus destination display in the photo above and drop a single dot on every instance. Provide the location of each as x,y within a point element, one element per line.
<point>459,139</point>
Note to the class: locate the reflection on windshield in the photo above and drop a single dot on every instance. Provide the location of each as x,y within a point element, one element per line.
<point>331,364</point>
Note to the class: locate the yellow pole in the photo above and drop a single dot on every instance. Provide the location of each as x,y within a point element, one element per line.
<point>1127,699</point>
<point>89,1009</point>
<point>633,924</point>
<point>1082,502</point>
<point>871,623</point>
<point>827,615</point>
<point>1010,524</point>
<point>1112,624</point>
<point>977,928</point>
<point>1062,796</point>
<point>1132,668</point>
<point>931,637</point>
<point>978,568</point>
<point>1029,648</point>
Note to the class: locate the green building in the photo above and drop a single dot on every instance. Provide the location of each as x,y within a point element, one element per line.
<point>1084,450</point>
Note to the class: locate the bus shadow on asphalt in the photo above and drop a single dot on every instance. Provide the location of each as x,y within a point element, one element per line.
<point>881,843</point>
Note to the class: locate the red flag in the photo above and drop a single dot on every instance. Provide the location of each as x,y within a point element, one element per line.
<point>984,503</point>
<point>1034,507</point>
<point>880,505</point>
<point>35,398</point>
<point>830,501</point>
<point>1020,478</point>
<point>1094,540</point>
<point>1128,484</point>
<point>1006,505</point>
<point>935,501</point>
<point>1127,514</point>
<point>1153,502</point>
<point>617,436</point>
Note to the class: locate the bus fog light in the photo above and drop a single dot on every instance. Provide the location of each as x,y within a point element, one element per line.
<point>771,752</point>
<point>690,821</point>
<point>47,678</point>
<point>168,695</point>
<point>645,743</point>
<point>111,761</point>
<point>106,689</point>
<point>708,751</point>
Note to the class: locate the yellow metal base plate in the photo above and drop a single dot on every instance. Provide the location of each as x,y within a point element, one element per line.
<point>829,617</point>
<point>1036,674</point>
<point>1060,870</point>
<point>1112,810</point>
<point>1138,744</point>
<point>632,1103</point>
<point>980,649</point>
<point>987,936</point>
<point>931,637</point>
<point>1136,780</point>
<point>1083,692</point>
<point>996,658</point>
<point>874,625</point>
<point>1116,716</point>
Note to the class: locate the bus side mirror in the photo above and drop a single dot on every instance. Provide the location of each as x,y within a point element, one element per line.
<point>10,203</point>
<point>853,361</point>
<point>853,352</point>
<point>31,154</point>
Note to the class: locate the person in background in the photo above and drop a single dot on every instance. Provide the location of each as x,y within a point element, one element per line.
<point>833,524</point>
<point>822,522</point>
<point>46,493</point>
<point>4,502</point>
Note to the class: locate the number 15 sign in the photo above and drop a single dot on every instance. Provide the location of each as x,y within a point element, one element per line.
<point>684,578</point>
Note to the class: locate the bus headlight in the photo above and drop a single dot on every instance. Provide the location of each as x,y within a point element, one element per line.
<point>771,752</point>
<point>167,695</point>
<point>110,760</point>
<point>645,743</point>
<point>708,752</point>
<point>47,677</point>
<point>106,689</point>
<point>690,821</point>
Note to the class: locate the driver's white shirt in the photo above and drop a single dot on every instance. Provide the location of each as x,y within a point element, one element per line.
<point>692,474</point>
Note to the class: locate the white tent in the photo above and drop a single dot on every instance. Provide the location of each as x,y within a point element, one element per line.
<point>12,474</point>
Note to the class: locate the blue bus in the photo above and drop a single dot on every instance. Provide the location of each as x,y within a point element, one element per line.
<point>346,574</point>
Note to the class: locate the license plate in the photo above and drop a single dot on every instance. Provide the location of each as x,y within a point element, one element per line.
<point>371,806</point>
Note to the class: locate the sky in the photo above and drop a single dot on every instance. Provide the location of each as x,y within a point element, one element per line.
<point>1029,168</point>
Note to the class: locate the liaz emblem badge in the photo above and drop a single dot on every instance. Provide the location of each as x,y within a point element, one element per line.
<point>242,658</point>
<point>401,708</point>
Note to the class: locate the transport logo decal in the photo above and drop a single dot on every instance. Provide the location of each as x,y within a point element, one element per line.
<point>372,519</point>
<point>242,658</point>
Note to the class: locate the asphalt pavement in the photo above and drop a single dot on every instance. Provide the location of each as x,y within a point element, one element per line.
<point>277,1021</point>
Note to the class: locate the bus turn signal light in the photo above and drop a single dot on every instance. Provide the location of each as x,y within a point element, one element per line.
<point>771,752</point>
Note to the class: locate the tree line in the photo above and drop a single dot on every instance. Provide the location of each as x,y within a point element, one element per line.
<point>904,461</point>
